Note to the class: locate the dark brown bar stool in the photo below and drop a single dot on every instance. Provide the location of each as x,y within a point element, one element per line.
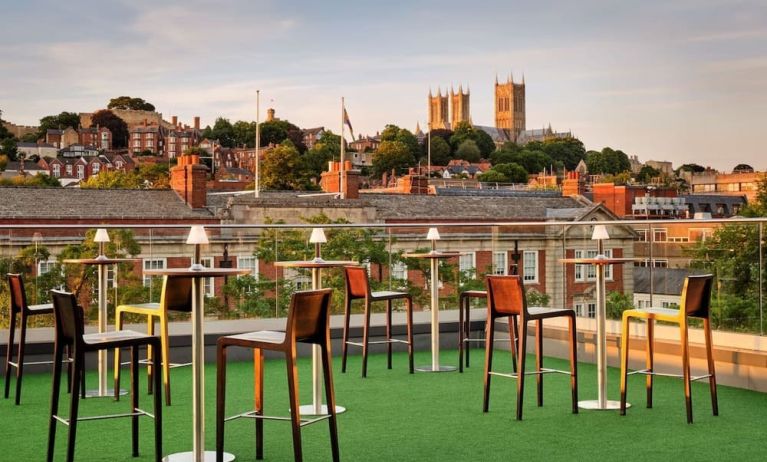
<point>695,303</point>
<point>308,322</point>
<point>19,307</point>
<point>70,332</point>
<point>506,297</point>
<point>358,287</point>
<point>176,295</point>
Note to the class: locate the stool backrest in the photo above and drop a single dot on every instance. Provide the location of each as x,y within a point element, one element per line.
<point>357,285</point>
<point>696,295</point>
<point>18,295</point>
<point>176,294</point>
<point>69,317</point>
<point>505,295</point>
<point>309,316</point>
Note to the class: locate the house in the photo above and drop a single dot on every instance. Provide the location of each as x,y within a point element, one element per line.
<point>365,144</point>
<point>310,136</point>
<point>78,150</point>
<point>37,149</point>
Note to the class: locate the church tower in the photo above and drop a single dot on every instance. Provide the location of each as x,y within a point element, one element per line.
<point>438,111</point>
<point>510,106</point>
<point>459,107</point>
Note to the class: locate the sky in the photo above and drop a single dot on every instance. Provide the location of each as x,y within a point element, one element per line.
<point>679,80</point>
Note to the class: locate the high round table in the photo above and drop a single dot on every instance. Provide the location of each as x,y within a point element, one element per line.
<point>101,263</point>
<point>316,265</point>
<point>601,403</point>
<point>198,453</point>
<point>434,258</point>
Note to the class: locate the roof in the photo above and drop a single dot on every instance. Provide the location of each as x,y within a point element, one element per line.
<point>666,281</point>
<point>498,135</point>
<point>313,131</point>
<point>95,204</point>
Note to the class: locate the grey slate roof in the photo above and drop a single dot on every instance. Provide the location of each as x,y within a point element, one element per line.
<point>666,281</point>
<point>63,203</point>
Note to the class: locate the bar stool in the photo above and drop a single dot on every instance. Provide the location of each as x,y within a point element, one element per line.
<point>506,297</point>
<point>308,322</point>
<point>176,295</point>
<point>19,307</point>
<point>358,287</point>
<point>695,303</point>
<point>70,332</point>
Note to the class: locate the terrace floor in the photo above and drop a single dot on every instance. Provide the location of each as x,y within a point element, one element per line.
<point>393,415</point>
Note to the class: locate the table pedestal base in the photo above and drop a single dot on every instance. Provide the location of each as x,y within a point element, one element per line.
<point>308,409</point>
<point>593,405</point>
<point>110,393</point>
<point>433,369</point>
<point>210,456</point>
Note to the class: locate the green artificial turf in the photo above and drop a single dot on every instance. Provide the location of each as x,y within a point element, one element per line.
<point>394,416</point>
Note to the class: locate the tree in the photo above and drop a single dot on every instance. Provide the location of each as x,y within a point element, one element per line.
<point>647,173</point>
<point>404,136</point>
<point>492,176</point>
<point>280,168</point>
<point>112,179</point>
<point>29,137</point>
<point>468,151</point>
<point>532,161</point>
<point>514,172</point>
<point>694,168</point>
<point>126,102</point>
<point>58,122</point>
<point>244,133</point>
<point>8,148</point>
<point>607,161</point>
<point>277,131</point>
<point>440,151</point>
<point>3,162</point>
<point>568,151</point>
<point>485,143</point>
<point>4,133</point>
<point>223,131</point>
<point>118,127</point>
<point>743,168</point>
<point>316,159</point>
<point>392,155</point>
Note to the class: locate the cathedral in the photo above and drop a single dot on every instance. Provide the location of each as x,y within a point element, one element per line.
<point>510,119</point>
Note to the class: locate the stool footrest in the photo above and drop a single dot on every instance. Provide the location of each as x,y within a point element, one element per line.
<point>544,370</point>
<point>254,415</point>
<point>378,342</point>
<point>662,374</point>
<point>136,412</point>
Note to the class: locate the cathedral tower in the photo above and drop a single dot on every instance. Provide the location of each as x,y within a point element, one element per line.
<point>510,106</point>
<point>438,111</point>
<point>459,107</point>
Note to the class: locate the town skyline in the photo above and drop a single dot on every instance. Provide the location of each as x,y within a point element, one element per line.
<point>685,82</point>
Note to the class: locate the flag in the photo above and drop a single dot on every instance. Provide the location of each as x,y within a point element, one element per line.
<point>348,122</point>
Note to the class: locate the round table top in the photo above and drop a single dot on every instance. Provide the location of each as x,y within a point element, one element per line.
<point>599,261</point>
<point>101,260</point>
<point>434,254</point>
<point>316,263</point>
<point>204,272</point>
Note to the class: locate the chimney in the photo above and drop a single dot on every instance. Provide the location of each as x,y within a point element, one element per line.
<point>331,180</point>
<point>188,179</point>
<point>197,122</point>
<point>174,121</point>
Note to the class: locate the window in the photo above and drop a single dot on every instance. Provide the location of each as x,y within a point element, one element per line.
<point>56,170</point>
<point>399,271</point>
<point>589,272</point>
<point>151,264</point>
<point>81,171</point>
<point>69,170</point>
<point>467,262</point>
<point>530,266</point>
<point>500,263</point>
<point>96,167</point>
<point>586,310</point>
<point>45,267</point>
<point>660,235</point>
<point>208,285</point>
<point>249,262</point>
<point>642,235</point>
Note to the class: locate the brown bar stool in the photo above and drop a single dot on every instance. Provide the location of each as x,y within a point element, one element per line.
<point>695,303</point>
<point>19,307</point>
<point>70,332</point>
<point>308,322</point>
<point>358,287</point>
<point>176,295</point>
<point>506,297</point>
<point>464,329</point>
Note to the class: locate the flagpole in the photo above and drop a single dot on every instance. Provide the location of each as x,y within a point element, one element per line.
<point>343,151</point>
<point>258,140</point>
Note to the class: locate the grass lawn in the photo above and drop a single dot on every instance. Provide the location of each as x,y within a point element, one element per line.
<point>394,416</point>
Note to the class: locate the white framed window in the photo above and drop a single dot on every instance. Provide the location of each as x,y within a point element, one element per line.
<point>112,276</point>
<point>399,271</point>
<point>249,262</point>
<point>467,262</point>
<point>530,266</point>
<point>642,235</point>
<point>96,167</point>
<point>586,310</point>
<point>69,169</point>
<point>45,267</point>
<point>81,171</point>
<point>152,264</point>
<point>500,263</point>
<point>209,287</point>
<point>660,235</point>
<point>589,272</point>
<point>56,170</point>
